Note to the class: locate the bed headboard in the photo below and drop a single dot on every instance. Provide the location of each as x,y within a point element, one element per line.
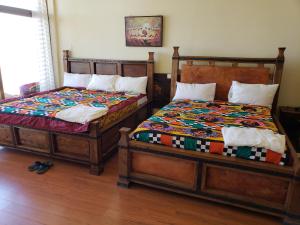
<point>129,68</point>
<point>246,70</point>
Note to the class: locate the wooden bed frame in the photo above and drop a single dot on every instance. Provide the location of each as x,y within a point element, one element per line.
<point>258,186</point>
<point>93,147</point>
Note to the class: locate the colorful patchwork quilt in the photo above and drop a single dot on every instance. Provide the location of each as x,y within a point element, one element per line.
<point>47,105</point>
<point>196,126</point>
<point>39,110</point>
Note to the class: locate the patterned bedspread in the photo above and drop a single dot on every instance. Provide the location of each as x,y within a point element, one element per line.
<point>39,110</point>
<point>196,126</point>
<point>51,103</point>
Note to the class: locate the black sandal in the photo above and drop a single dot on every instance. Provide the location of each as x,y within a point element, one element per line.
<point>44,167</point>
<point>34,166</point>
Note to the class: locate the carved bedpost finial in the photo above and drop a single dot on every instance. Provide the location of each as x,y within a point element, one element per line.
<point>124,139</point>
<point>281,53</point>
<point>176,53</point>
<point>151,56</point>
<point>66,54</point>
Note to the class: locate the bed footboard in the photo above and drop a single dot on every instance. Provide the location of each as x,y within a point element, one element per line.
<point>91,149</point>
<point>84,148</point>
<point>212,177</point>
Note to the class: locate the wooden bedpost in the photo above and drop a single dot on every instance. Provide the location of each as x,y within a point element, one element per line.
<point>150,72</point>
<point>175,68</point>
<point>96,158</point>
<point>66,55</point>
<point>124,159</point>
<point>150,75</point>
<point>278,74</point>
<point>293,200</point>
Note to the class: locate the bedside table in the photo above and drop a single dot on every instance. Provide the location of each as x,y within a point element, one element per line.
<point>290,119</point>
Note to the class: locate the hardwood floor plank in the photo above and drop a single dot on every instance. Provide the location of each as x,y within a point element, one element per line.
<point>67,194</point>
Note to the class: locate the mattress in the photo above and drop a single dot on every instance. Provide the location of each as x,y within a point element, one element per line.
<point>38,111</point>
<point>196,126</point>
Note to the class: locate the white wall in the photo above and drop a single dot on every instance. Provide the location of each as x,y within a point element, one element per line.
<point>246,28</point>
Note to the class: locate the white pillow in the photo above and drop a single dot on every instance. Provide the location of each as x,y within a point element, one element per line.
<point>136,85</point>
<point>103,82</point>
<point>76,80</point>
<point>255,94</point>
<point>204,92</point>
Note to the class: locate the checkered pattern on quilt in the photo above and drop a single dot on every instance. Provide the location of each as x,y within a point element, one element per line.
<point>203,145</point>
<point>258,154</point>
<point>178,142</point>
<point>283,160</point>
<point>154,138</point>
<point>230,151</point>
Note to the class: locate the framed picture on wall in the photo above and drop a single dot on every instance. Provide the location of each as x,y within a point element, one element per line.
<point>144,31</point>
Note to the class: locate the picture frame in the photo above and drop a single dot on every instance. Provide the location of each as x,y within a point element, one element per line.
<point>144,31</point>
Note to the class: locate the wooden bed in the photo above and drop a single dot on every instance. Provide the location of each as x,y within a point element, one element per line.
<point>95,146</point>
<point>257,186</point>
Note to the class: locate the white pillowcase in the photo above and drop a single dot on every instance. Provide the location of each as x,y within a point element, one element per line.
<point>103,82</point>
<point>204,92</point>
<point>255,94</point>
<point>76,80</point>
<point>135,85</point>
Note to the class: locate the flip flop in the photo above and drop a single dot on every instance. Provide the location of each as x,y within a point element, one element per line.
<point>48,163</point>
<point>44,167</point>
<point>34,166</point>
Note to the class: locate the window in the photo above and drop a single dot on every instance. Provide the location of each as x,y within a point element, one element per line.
<point>25,50</point>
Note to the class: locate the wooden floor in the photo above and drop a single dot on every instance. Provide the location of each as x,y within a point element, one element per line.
<point>67,194</point>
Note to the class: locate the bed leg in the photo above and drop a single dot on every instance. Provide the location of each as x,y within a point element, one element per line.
<point>293,202</point>
<point>124,158</point>
<point>96,160</point>
<point>96,169</point>
<point>123,182</point>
